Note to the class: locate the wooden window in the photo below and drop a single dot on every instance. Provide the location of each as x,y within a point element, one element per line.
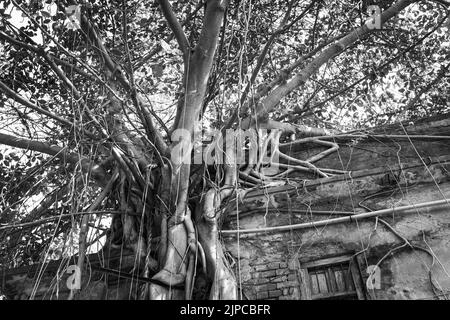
<point>332,278</point>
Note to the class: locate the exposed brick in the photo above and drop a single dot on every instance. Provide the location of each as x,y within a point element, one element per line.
<point>291,290</point>
<point>261,267</point>
<point>262,295</point>
<point>261,281</point>
<point>266,287</point>
<point>271,286</point>
<point>286,284</point>
<point>285,291</point>
<point>275,293</point>
<point>281,271</point>
<point>279,279</point>
<point>267,274</point>
<point>273,265</point>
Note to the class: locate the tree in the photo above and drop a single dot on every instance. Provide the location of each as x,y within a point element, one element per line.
<point>114,99</point>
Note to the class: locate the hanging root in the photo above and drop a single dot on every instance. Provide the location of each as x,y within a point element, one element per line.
<point>192,250</point>
<point>174,240</point>
<point>224,284</point>
<point>202,257</point>
<point>174,271</point>
<point>219,273</point>
<point>258,172</point>
<point>190,275</point>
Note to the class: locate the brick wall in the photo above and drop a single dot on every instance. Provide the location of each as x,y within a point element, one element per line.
<point>271,281</point>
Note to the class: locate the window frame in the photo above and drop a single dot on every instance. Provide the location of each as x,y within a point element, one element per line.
<point>354,265</point>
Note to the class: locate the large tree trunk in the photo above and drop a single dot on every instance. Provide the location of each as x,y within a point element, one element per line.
<point>186,240</point>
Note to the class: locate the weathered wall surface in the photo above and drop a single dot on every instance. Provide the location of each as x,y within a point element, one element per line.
<point>269,263</point>
<point>385,173</point>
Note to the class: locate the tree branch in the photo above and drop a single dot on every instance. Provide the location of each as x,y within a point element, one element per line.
<point>141,61</point>
<point>283,27</point>
<point>272,100</point>
<point>282,75</point>
<point>39,147</point>
<point>117,74</point>
<point>200,63</point>
<point>381,67</point>
<point>42,52</point>
<point>52,150</point>
<point>16,97</point>
<point>176,27</point>
<point>114,68</point>
<point>69,65</point>
<point>49,219</point>
<point>427,88</point>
